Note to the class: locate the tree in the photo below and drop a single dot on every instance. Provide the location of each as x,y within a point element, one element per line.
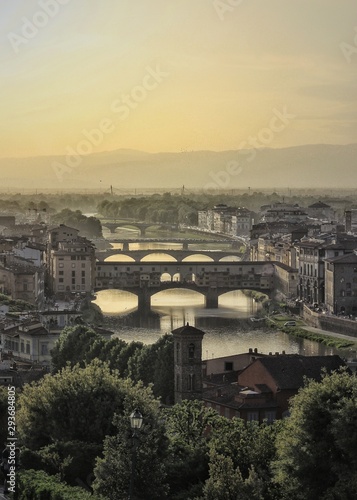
<point>317,447</point>
<point>153,364</point>
<point>248,444</point>
<point>188,427</point>
<point>113,471</point>
<point>72,346</point>
<point>34,484</point>
<point>227,483</point>
<point>77,406</point>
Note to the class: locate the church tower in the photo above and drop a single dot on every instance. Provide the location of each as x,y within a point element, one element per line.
<point>188,363</point>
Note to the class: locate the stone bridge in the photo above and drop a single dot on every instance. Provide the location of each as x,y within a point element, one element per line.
<point>211,279</point>
<point>178,255</point>
<point>126,242</point>
<point>112,225</point>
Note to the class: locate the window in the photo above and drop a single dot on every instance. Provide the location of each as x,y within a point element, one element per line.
<point>252,415</point>
<point>60,280</point>
<point>44,349</point>
<point>83,265</point>
<point>27,347</point>
<point>61,273</point>
<point>228,366</point>
<point>191,351</point>
<point>270,416</point>
<point>73,274</point>
<point>191,382</point>
<point>73,257</point>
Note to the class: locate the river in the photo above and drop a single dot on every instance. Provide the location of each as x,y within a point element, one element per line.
<point>228,329</point>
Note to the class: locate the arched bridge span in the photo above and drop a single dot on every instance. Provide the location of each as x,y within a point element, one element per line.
<point>178,255</point>
<point>212,279</point>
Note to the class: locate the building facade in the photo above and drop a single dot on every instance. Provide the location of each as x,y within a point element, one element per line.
<point>71,263</point>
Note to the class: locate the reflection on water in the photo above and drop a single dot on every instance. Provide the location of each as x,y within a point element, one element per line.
<point>228,328</point>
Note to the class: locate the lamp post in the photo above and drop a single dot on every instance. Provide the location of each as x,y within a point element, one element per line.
<point>136,421</point>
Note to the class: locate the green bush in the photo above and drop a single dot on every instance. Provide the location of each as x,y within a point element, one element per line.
<point>317,337</point>
<point>37,485</point>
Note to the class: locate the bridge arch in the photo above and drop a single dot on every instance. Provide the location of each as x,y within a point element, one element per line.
<point>200,295</point>
<point>116,301</point>
<point>230,258</point>
<point>117,257</point>
<point>164,254</point>
<point>198,256</point>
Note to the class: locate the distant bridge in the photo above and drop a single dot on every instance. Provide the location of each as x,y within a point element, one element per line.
<point>113,224</point>
<point>178,255</point>
<point>211,279</point>
<point>186,242</point>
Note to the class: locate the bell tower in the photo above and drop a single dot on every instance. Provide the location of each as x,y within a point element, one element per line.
<point>188,362</point>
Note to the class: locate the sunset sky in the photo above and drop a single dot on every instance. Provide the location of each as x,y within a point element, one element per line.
<point>175,75</point>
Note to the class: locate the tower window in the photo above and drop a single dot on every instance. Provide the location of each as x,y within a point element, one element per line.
<point>191,382</point>
<point>191,351</point>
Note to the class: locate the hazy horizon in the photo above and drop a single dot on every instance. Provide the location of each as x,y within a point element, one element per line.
<point>164,76</point>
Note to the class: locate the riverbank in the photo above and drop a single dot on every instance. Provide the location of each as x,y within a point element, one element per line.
<point>301,330</point>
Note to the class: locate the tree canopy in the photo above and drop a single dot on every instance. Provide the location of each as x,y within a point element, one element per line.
<point>73,410</point>
<point>317,447</point>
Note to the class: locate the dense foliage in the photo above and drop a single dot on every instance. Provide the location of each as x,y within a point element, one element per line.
<point>155,208</point>
<point>88,226</point>
<point>35,484</point>
<point>63,419</point>
<point>75,424</point>
<point>150,364</point>
<point>317,447</point>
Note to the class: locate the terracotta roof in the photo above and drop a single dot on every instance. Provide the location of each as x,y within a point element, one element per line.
<point>289,371</point>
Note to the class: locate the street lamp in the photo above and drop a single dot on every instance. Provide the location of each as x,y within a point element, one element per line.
<point>136,421</point>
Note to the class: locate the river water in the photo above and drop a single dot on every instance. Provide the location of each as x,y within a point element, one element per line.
<point>228,329</point>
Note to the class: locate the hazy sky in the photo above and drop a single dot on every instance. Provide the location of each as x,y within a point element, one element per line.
<point>173,75</point>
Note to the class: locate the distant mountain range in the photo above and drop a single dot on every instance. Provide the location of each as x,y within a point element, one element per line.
<point>309,166</point>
